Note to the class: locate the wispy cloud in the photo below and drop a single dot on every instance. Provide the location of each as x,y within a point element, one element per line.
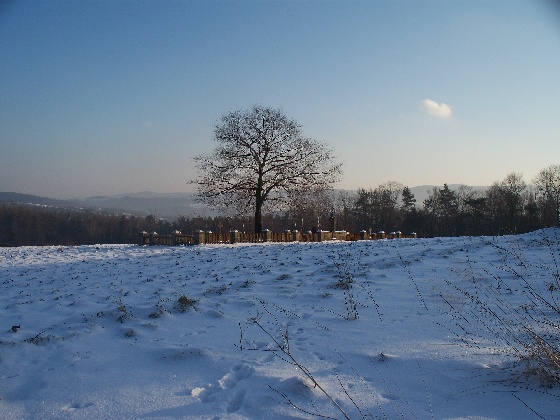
<point>433,108</point>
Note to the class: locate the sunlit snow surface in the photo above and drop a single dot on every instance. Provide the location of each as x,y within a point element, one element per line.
<point>102,335</point>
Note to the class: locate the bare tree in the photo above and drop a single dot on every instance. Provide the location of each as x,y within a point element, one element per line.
<point>378,209</point>
<point>512,188</point>
<point>310,207</point>
<point>261,157</point>
<point>387,196</point>
<point>547,182</point>
<point>343,205</point>
<point>505,201</point>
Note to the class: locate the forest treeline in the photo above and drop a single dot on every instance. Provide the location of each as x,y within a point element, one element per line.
<point>507,207</point>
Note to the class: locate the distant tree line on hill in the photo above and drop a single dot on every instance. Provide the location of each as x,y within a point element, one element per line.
<point>28,225</point>
<point>509,206</point>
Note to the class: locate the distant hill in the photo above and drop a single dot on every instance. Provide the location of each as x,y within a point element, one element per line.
<point>12,197</point>
<point>164,205</point>
<point>167,206</point>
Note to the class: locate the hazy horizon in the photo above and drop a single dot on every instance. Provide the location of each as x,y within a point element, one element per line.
<point>104,98</point>
<point>420,192</point>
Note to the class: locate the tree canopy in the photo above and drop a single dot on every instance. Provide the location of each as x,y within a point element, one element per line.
<point>262,157</point>
<point>547,182</point>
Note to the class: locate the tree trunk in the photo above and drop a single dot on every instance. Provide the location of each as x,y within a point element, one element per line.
<point>258,216</point>
<point>259,201</point>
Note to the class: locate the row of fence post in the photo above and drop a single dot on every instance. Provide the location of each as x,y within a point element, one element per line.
<point>201,237</point>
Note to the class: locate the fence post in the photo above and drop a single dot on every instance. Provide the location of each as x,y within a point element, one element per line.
<point>143,236</point>
<point>174,237</point>
<point>267,235</point>
<point>296,236</point>
<point>339,235</point>
<point>381,234</point>
<point>198,238</point>
<point>234,236</point>
<point>153,237</point>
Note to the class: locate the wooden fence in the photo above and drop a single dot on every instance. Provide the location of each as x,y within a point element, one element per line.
<point>233,237</point>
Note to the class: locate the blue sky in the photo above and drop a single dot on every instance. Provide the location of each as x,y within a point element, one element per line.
<point>102,97</point>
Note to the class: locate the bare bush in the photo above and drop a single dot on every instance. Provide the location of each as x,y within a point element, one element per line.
<point>516,312</point>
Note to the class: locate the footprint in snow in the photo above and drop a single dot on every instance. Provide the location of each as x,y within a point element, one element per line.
<point>205,395</point>
<point>228,381</point>
<point>76,406</point>
<point>238,373</point>
<point>236,401</point>
<point>390,397</point>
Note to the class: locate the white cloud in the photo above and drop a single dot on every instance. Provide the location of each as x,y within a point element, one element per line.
<point>433,108</point>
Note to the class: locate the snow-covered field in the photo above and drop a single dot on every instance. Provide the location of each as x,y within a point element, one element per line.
<point>387,329</point>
